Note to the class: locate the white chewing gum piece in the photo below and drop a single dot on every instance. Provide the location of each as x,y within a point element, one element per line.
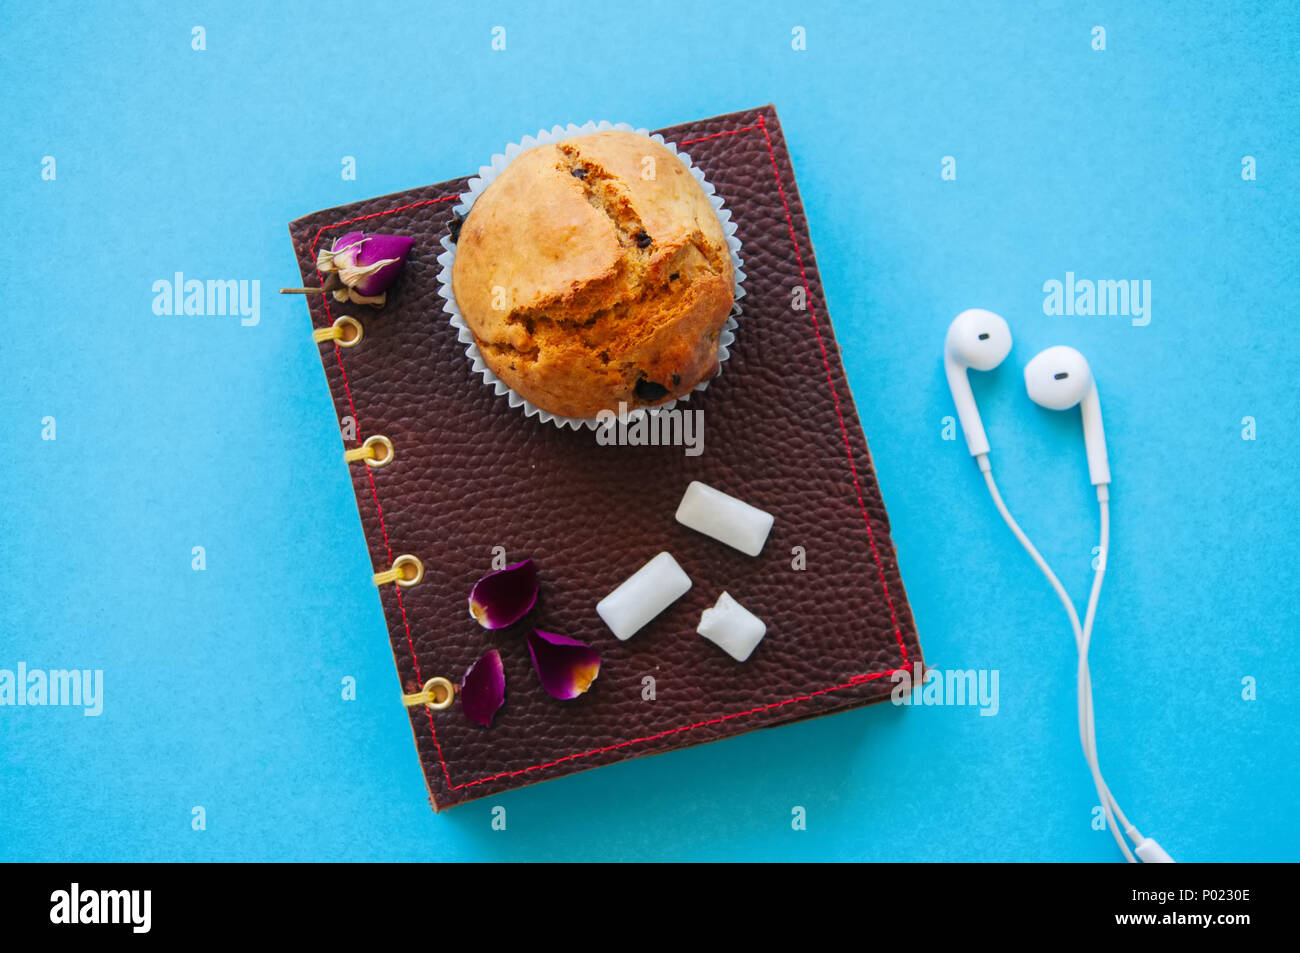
<point>725,518</point>
<point>646,593</point>
<point>732,627</point>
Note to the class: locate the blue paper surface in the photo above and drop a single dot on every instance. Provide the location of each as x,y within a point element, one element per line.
<point>223,688</point>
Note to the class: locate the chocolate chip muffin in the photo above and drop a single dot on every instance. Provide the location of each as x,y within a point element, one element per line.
<point>594,271</point>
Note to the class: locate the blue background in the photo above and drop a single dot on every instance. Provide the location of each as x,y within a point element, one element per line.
<point>222,688</point>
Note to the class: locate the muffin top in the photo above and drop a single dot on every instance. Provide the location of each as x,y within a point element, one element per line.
<point>594,271</point>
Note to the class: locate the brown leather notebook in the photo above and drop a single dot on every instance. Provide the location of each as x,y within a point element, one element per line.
<point>469,473</point>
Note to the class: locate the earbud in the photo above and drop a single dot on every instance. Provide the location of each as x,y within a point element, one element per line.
<point>1058,378</point>
<point>977,340</point>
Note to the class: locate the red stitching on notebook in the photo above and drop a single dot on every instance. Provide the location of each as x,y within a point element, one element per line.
<point>374,492</point>
<point>716,135</point>
<point>855,680</point>
<point>893,616</point>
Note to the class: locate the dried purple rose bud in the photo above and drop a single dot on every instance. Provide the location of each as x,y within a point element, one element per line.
<point>483,689</point>
<point>369,263</point>
<point>358,268</point>
<point>565,666</point>
<point>504,597</point>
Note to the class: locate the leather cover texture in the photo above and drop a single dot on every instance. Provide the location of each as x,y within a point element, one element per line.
<point>471,473</point>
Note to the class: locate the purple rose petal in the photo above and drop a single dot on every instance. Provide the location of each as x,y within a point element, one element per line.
<point>356,255</point>
<point>504,597</point>
<point>565,666</point>
<point>483,689</point>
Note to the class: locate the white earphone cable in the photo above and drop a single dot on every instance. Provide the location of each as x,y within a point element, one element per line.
<point>1082,636</point>
<point>1085,674</point>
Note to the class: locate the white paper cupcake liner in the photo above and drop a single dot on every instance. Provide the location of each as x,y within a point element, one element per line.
<point>485,177</point>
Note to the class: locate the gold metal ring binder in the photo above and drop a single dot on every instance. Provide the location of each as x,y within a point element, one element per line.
<point>437,694</point>
<point>377,451</point>
<point>407,571</point>
<point>346,331</point>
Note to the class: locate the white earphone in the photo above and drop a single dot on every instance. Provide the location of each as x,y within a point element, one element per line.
<point>977,340</point>
<point>1058,378</point>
